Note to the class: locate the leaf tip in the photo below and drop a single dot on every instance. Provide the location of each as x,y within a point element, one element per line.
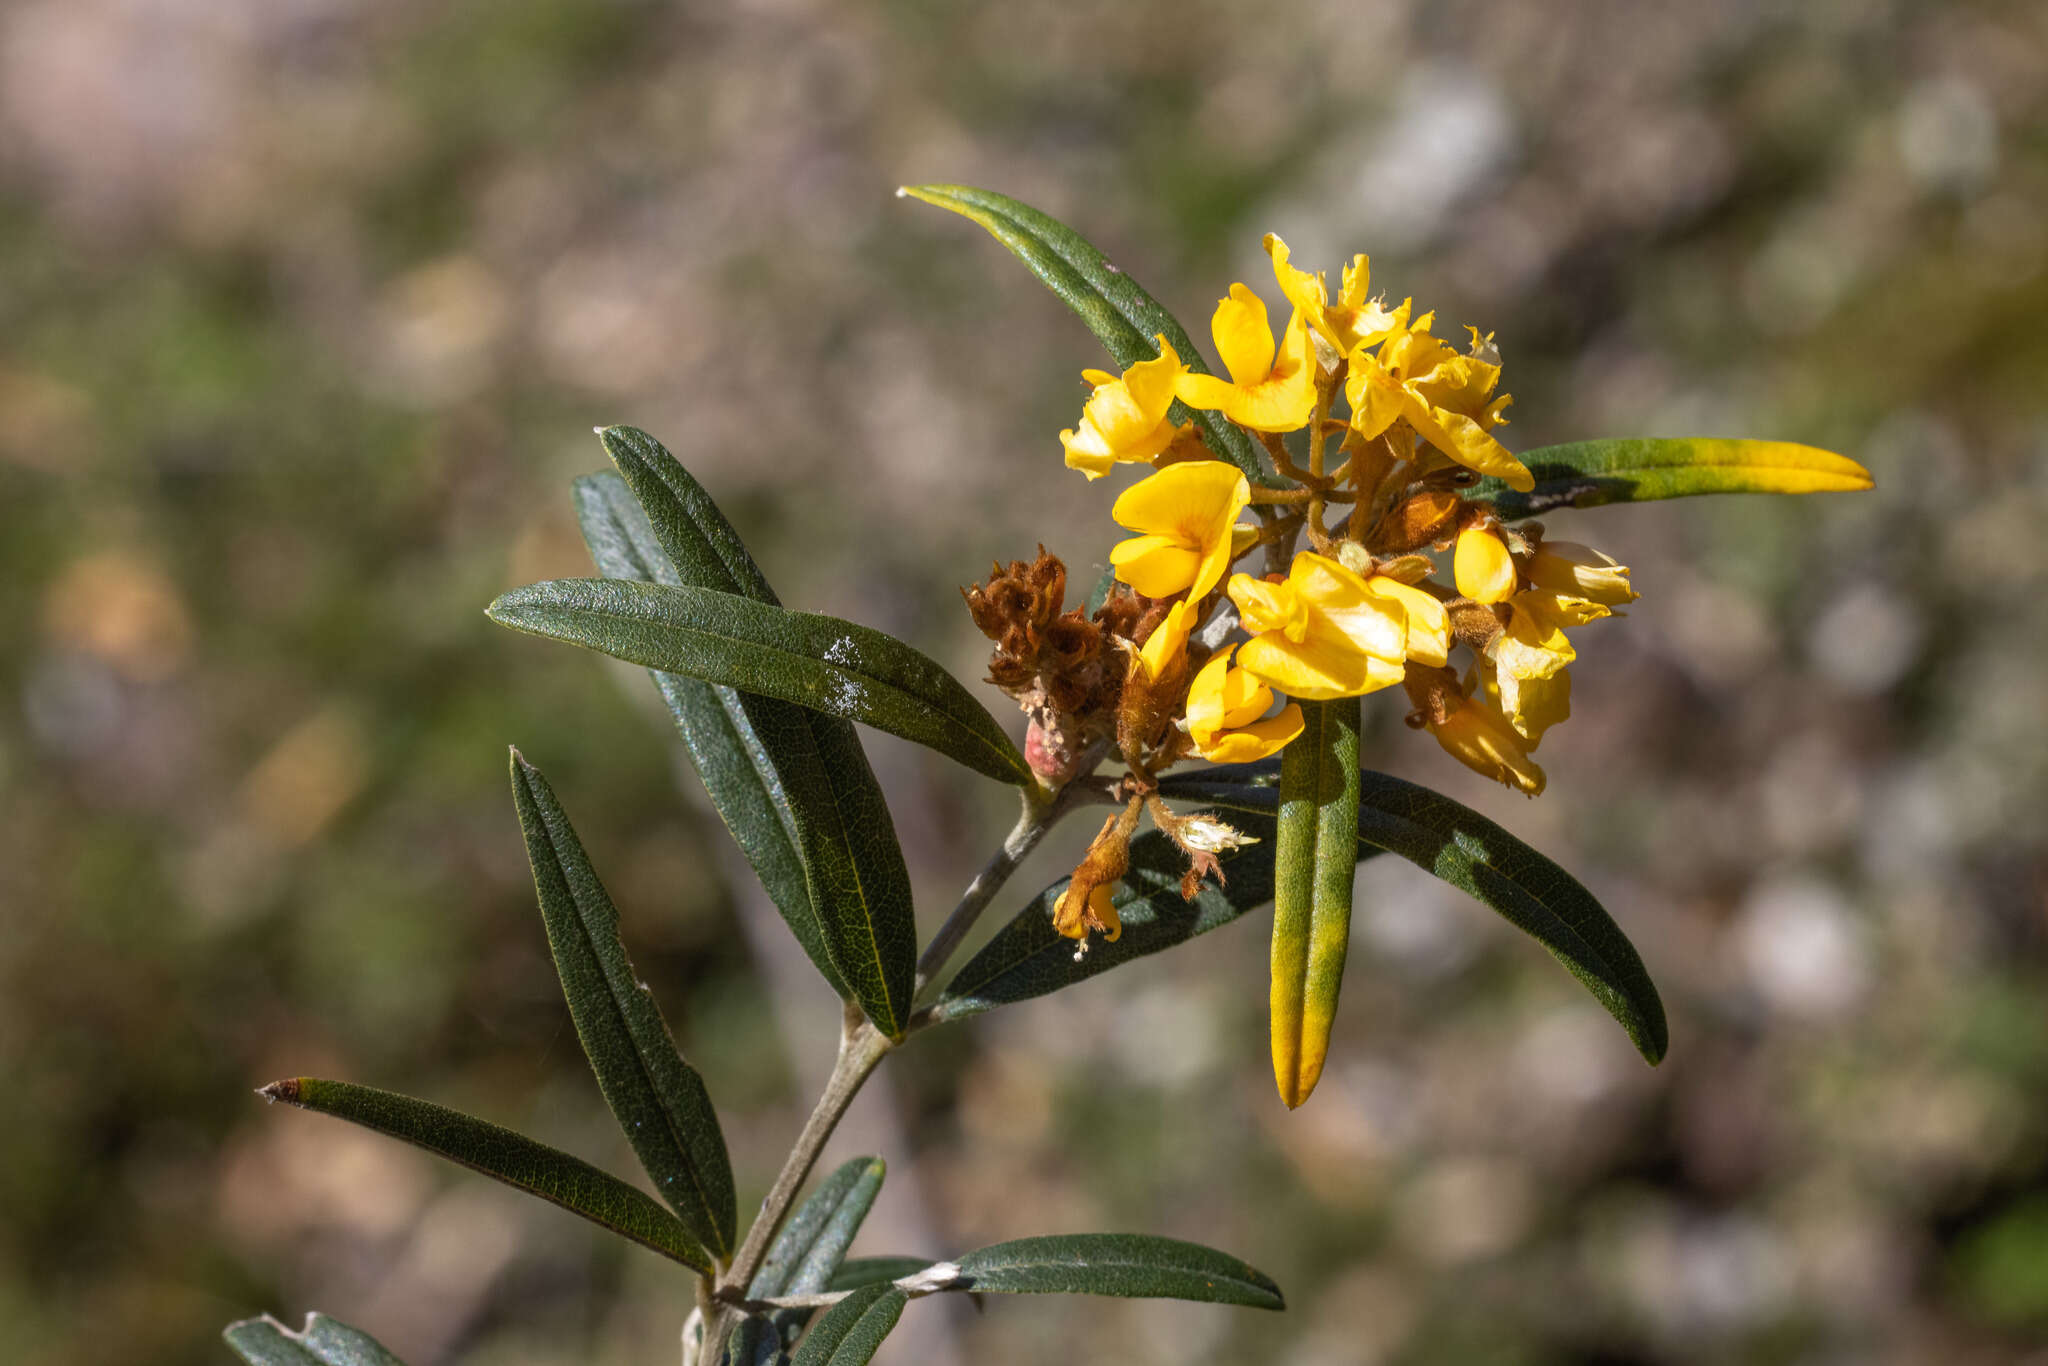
<point>286,1090</point>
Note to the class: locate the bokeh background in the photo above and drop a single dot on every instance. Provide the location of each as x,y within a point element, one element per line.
<point>307,308</point>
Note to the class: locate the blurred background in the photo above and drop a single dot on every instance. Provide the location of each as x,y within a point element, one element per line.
<point>307,308</point>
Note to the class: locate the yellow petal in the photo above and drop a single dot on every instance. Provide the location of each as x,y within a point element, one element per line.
<point>1429,626</point>
<point>1195,503</point>
<point>1206,709</point>
<point>1087,451</point>
<point>1534,705</point>
<point>1150,382</point>
<point>1476,741</point>
<point>1259,740</point>
<point>1157,566</point>
<point>1566,567</point>
<point>1533,645</point>
<point>1244,338</point>
<point>1306,292</point>
<point>1264,606</point>
<point>1482,566</point>
<point>1376,397</point>
<point>1340,605</point>
<point>1168,638</point>
<point>1317,669</point>
<point>1468,443</point>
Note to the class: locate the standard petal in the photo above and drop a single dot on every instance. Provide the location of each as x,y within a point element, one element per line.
<point>1185,500</point>
<point>1244,338</point>
<point>1533,645</point>
<point>1156,566</point>
<point>1339,603</point>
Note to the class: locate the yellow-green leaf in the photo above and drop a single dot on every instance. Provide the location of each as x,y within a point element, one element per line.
<point>1585,474</point>
<point>1314,853</point>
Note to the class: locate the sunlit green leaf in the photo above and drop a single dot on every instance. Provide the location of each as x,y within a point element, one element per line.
<point>852,1330</point>
<point>322,1342</point>
<point>1314,856</point>
<point>1584,474</point>
<point>1131,1265</point>
<point>501,1154</point>
<point>1123,317</point>
<point>658,1099</point>
<point>1457,844</point>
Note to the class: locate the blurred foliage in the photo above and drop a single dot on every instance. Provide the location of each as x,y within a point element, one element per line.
<point>307,313</point>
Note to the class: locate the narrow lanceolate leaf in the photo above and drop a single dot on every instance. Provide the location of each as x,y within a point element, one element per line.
<point>502,1155</point>
<point>1123,317</point>
<point>793,784</point>
<point>749,751</point>
<point>809,1250</point>
<point>834,666</point>
<point>856,1272</point>
<point>1131,1265</point>
<point>322,1342</point>
<point>813,1243</point>
<point>852,1330</point>
<point>1028,958</point>
<point>658,1099</point>
<point>1314,856</point>
<point>1585,474</point>
<point>1457,844</point>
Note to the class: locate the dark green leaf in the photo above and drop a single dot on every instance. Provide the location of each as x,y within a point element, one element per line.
<point>834,666</point>
<point>1314,857</point>
<point>852,1330</point>
<point>812,765</point>
<point>322,1342</point>
<point>1584,474</point>
<point>754,1342</point>
<point>1028,958</point>
<point>808,1251</point>
<point>1131,1265</point>
<point>855,1272</point>
<point>658,1099</point>
<point>863,902</point>
<point>1470,852</point>
<point>742,772</point>
<point>812,1244</point>
<point>1123,317</point>
<point>793,785</point>
<point>503,1155</point>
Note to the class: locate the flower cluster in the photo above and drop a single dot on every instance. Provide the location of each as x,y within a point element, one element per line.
<point>1391,427</point>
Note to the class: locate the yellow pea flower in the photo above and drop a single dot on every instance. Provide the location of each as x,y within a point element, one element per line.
<point>1125,418</point>
<point>1530,705</point>
<point>1574,570</point>
<point>1429,626</point>
<point>1268,390</point>
<point>1168,639</point>
<point>1227,714</point>
<point>1186,515</point>
<point>1351,322</point>
<point>1323,633</point>
<point>1445,396</point>
<point>1534,643</point>
<point>1484,570</point>
<point>1480,738</point>
<point>1074,917</point>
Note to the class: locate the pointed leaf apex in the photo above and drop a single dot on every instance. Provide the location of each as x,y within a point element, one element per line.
<point>286,1090</point>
